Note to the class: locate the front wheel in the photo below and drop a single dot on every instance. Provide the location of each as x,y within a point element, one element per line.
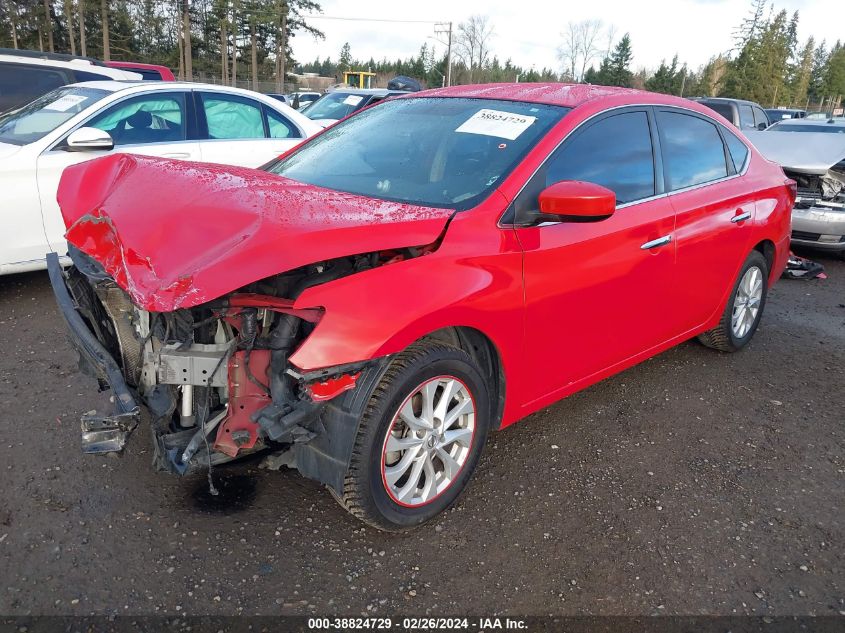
<point>745,307</point>
<point>420,438</point>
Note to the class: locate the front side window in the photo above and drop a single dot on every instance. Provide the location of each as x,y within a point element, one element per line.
<point>437,152</point>
<point>693,152</point>
<point>232,117</point>
<point>152,118</point>
<point>40,117</point>
<point>615,152</point>
<point>760,118</point>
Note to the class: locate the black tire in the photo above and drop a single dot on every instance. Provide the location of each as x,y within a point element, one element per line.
<point>365,493</point>
<point>722,337</point>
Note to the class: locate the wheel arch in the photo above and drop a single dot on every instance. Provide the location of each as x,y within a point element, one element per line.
<point>767,248</point>
<point>484,352</point>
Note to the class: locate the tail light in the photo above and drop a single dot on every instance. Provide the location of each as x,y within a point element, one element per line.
<point>792,187</point>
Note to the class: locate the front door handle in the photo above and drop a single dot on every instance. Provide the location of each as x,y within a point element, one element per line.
<point>741,217</point>
<point>660,241</point>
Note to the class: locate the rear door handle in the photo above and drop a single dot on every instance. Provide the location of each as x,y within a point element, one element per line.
<point>660,241</point>
<point>741,217</point>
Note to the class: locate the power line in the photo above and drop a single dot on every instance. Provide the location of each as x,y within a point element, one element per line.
<point>347,19</point>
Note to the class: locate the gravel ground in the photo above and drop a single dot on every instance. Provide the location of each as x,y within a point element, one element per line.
<point>695,483</point>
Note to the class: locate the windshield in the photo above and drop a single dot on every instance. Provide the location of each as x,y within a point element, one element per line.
<point>829,128</point>
<point>437,152</point>
<point>40,117</point>
<point>335,106</point>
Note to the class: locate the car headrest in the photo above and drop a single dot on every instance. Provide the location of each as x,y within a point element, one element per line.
<point>140,119</point>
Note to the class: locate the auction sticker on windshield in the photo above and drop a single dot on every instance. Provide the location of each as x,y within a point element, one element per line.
<point>352,100</point>
<point>497,123</point>
<point>65,103</point>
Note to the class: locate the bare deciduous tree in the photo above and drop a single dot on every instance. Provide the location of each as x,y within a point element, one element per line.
<point>580,47</point>
<point>472,44</point>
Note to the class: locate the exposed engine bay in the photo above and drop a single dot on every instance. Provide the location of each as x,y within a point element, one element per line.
<point>826,190</point>
<point>215,378</point>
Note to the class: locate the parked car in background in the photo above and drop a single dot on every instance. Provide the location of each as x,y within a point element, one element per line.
<point>303,99</point>
<point>811,152</point>
<point>413,278</point>
<point>149,72</point>
<point>283,98</point>
<point>25,75</point>
<point>779,114</point>
<point>746,115</point>
<point>823,116</point>
<point>342,102</point>
<point>79,122</point>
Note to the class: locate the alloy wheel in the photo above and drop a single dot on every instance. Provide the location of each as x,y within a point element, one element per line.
<point>428,441</point>
<point>747,300</point>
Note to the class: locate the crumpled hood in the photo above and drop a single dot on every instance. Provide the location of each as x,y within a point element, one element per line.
<point>804,152</point>
<point>176,234</point>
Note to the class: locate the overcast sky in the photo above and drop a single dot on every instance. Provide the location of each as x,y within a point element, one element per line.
<point>530,31</point>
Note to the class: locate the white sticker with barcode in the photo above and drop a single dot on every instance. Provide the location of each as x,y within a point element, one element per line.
<point>353,100</point>
<point>497,123</point>
<point>63,104</point>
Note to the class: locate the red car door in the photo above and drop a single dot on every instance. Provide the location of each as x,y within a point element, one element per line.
<point>597,293</point>
<point>714,210</point>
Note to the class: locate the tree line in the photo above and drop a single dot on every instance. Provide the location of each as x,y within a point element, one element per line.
<point>236,40</point>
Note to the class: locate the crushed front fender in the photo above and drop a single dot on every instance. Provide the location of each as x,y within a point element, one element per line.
<point>100,433</point>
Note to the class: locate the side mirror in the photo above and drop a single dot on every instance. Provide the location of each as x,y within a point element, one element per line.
<point>87,139</point>
<point>576,201</point>
<point>762,126</point>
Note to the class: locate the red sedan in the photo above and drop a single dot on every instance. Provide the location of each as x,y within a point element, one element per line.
<point>371,305</point>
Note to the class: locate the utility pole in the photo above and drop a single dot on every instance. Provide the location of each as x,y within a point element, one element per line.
<point>445,28</point>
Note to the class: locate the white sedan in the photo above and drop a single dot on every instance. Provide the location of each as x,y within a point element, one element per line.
<point>82,121</point>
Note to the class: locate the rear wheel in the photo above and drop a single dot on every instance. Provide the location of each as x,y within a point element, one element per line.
<point>420,438</point>
<point>745,307</point>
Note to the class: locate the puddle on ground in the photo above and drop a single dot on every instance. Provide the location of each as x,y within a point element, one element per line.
<point>235,493</point>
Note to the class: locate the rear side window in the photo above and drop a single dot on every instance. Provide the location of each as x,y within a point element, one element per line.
<point>279,126</point>
<point>232,117</point>
<point>693,152</point>
<point>736,148</point>
<point>760,117</point>
<point>20,84</point>
<point>746,116</point>
<point>615,152</point>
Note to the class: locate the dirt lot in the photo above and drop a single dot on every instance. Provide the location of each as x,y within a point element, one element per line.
<point>696,483</point>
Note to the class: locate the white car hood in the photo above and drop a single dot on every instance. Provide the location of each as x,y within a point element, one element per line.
<point>7,150</point>
<point>804,152</point>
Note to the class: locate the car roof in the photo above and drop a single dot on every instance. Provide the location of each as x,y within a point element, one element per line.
<point>724,100</point>
<point>117,86</point>
<point>81,64</point>
<point>560,94</point>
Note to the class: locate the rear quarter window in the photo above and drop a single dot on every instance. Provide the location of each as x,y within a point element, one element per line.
<point>736,148</point>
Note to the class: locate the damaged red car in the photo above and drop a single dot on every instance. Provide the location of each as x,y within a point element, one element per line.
<point>369,307</point>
